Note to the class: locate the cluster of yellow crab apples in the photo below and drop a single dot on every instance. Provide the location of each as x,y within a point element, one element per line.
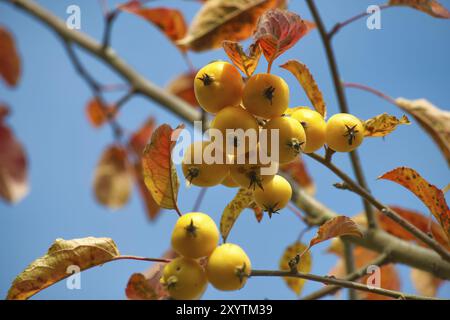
<point>260,102</point>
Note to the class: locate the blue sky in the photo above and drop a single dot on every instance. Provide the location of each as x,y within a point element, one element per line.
<point>408,57</point>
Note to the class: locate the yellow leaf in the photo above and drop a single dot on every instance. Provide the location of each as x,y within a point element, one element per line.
<point>160,175</point>
<point>431,7</point>
<point>435,121</point>
<point>430,195</point>
<point>242,200</point>
<point>83,253</point>
<point>219,20</point>
<point>336,227</point>
<point>304,265</point>
<point>382,125</point>
<point>246,62</point>
<point>113,178</point>
<point>306,80</point>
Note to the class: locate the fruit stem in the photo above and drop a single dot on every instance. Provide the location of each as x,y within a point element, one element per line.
<point>128,257</point>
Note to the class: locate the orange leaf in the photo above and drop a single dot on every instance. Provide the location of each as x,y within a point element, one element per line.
<point>336,227</point>
<point>258,211</point>
<point>169,21</point>
<point>246,62</point>
<point>160,175</point>
<point>430,195</point>
<point>9,58</point>
<point>151,207</point>
<point>277,31</point>
<point>220,20</point>
<point>183,87</point>
<point>297,170</point>
<point>419,220</point>
<point>431,7</point>
<point>112,180</point>
<point>425,283</point>
<point>140,138</point>
<point>146,285</point>
<point>309,85</point>
<point>97,113</point>
<point>13,164</point>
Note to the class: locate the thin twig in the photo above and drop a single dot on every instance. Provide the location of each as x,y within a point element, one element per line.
<point>141,259</point>
<point>349,266</point>
<point>343,107</point>
<point>339,282</point>
<point>380,261</point>
<point>199,199</point>
<point>369,89</point>
<point>356,188</point>
<point>109,22</point>
<point>338,26</point>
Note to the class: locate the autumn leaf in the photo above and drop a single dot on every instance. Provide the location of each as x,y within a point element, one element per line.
<point>435,121</point>
<point>169,21</point>
<point>431,7</point>
<point>277,31</point>
<point>9,58</point>
<point>430,195</point>
<point>13,163</point>
<point>298,171</point>
<point>139,139</point>
<point>304,265</point>
<point>336,227</point>
<point>146,285</point>
<point>425,283</point>
<point>84,253</point>
<point>183,87</point>
<point>389,276</point>
<point>112,180</point>
<point>160,175</point>
<point>97,113</point>
<point>151,207</point>
<point>382,125</point>
<point>245,61</point>
<point>309,85</point>
<point>220,20</point>
<point>242,200</point>
<point>257,210</point>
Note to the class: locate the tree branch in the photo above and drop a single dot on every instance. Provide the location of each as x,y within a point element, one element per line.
<point>354,158</point>
<point>141,259</point>
<point>349,265</point>
<point>339,282</point>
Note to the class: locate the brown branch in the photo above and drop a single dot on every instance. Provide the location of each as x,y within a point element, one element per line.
<point>369,89</point>
<point>349,265</point>
<point>141,259</point>
<point>338,282</point>
<point>380,261</point>
<point>354,187</point>
<point>354,158</point>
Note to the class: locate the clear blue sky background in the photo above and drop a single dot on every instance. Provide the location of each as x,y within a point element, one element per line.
<point>408,57</point>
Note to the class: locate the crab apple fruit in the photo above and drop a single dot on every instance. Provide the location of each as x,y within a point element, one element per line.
<point>184,279</point>
<point>266,95</point>
<point>201,173</point>
<point>315,128</point>
<point>228,267</point>
<point>291,138</point>
<point>236,118</point>
<point>274,195</point>
<point>344,132</point>
<point>217,85</point>
<point>195,235</point>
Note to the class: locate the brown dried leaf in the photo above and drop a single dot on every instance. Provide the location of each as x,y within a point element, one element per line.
<point>232,211</point>
<point>220,20</point>
<point>160,175</point>
<point>430,195</point>
<point>298,171</point>
<point>245,61</point>
<point>304,265</point>
<point>431,7</point>
<point>97,113</point>
<point>382,125</point>
<point>13,164</point>
<point>309,85</point>
<point>140,138</point>
<point>336,227</point>
<point>9,58</point>
<point>258,211</point>
<point>113,180</point>
<point>435,121</point>
<point>183,87</point>
<point>169,21</point>
<point>84,253</point>
<point>277,31</point>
